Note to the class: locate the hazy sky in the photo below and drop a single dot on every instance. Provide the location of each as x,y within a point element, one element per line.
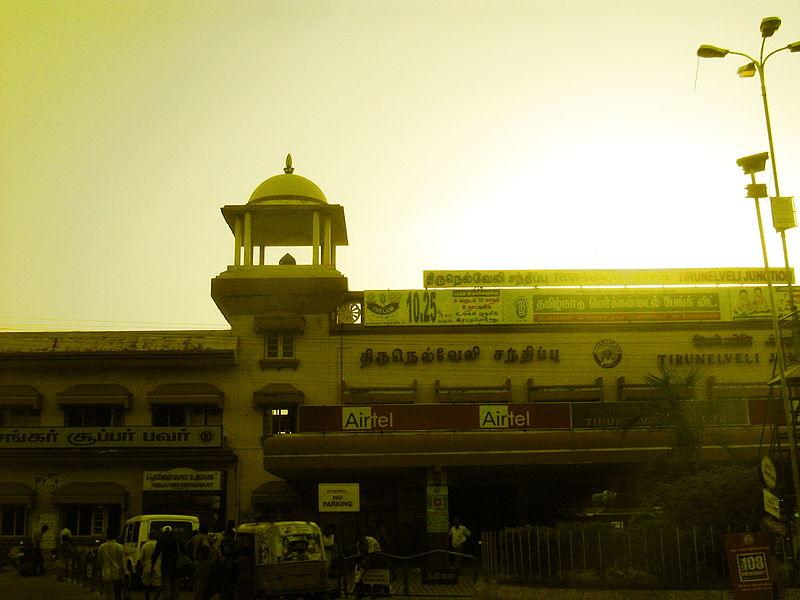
<point>457,135</point>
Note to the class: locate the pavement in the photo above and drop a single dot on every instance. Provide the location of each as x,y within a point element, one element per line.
<point>45,587</point>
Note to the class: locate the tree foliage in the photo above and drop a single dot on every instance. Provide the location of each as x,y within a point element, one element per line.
<point>721,496</point>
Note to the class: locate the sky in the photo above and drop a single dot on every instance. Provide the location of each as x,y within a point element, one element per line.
<point>570,134</point>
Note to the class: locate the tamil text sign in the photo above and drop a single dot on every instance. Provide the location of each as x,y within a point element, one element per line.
<point>605,277</point>
<point>528,306</point>
<point>182,480</point>
<point>110,437</point>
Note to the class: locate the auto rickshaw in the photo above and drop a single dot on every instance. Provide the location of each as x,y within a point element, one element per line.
<point>284,559</point>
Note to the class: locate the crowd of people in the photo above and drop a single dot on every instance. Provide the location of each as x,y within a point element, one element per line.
<point>209,564</point>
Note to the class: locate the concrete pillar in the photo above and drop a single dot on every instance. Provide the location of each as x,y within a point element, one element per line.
<point>326,252</point>
<point>438,516</point>
<point>237,241</point>
<point>315,237</point>
<point>248,239</point>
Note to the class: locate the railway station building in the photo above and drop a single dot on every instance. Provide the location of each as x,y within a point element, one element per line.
<point>494,397</point>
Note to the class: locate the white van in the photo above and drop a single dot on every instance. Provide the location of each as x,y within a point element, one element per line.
<point>137,530</point>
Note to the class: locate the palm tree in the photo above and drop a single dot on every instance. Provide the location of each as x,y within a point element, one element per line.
<point>670,407</point>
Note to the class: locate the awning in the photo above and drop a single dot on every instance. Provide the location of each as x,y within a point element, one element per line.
<point>188,394</point>
<point>95,394</point>
<point>103,492</point>
<point>276,493</point>
<point>327,455</point>
<point>17,493</point>
<point>20,396</point>
<point>276,395</point>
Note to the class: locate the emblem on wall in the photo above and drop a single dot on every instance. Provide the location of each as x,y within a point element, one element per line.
<point>607,353</point>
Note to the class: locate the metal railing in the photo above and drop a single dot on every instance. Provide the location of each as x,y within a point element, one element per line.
<point>641,556</point>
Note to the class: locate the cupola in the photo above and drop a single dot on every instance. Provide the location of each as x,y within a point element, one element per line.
<point>286,210</point>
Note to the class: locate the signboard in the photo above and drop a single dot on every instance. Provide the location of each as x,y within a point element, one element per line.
<point>339,497</point>
<point>388,418</point>
<point>438,510</point>
<point>376,577</point>
<point>110,437</point>
<point>462,307</point>
<point>751,565</point>
<point>182,480</point>
<point>772,504</point>
<point>605,277</point>
<point>768,472</point>
<point>443,576</point>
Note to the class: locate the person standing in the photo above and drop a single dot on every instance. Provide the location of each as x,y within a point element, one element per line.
<point>201,552</point>
<point>168,549</point>
<point>229,552</point>
<point>112,565</point>
<point>38,557</point>
<point>64,556</point>
<point>458,536</point>
<point>151,571</point>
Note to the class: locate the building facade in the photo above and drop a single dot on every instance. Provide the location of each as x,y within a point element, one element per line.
<point>498,398</point>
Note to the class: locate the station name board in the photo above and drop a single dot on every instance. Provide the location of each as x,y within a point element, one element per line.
<point>606,277</point>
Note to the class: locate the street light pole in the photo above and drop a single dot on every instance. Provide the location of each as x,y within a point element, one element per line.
<point>768,27</point>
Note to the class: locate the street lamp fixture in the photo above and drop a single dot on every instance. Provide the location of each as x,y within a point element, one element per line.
<point>781,205</point>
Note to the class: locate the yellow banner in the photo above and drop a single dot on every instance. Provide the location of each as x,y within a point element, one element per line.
<point>606,277</point>
<point>433,307</point>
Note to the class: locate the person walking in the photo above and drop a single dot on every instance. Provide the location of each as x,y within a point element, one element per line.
<point>151,571</point>
<point>168,549</point>
<point>63,556</point>
<point>112,565</point>
<point>201,553</point>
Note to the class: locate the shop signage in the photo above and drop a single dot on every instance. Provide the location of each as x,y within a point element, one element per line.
<point>182,480</point>
<point>637,413</point>
<point>449,307</point>
<point>338,497</point>
<point>517,416</point>
<point>110,437</point>
<point>601,277</point>
<point>751,565</point>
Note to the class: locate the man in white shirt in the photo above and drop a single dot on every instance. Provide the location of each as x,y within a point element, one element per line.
<point>458,536</point>
<point>112,565</point>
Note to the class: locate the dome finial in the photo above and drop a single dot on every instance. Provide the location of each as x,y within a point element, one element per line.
<point>288,169</point>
